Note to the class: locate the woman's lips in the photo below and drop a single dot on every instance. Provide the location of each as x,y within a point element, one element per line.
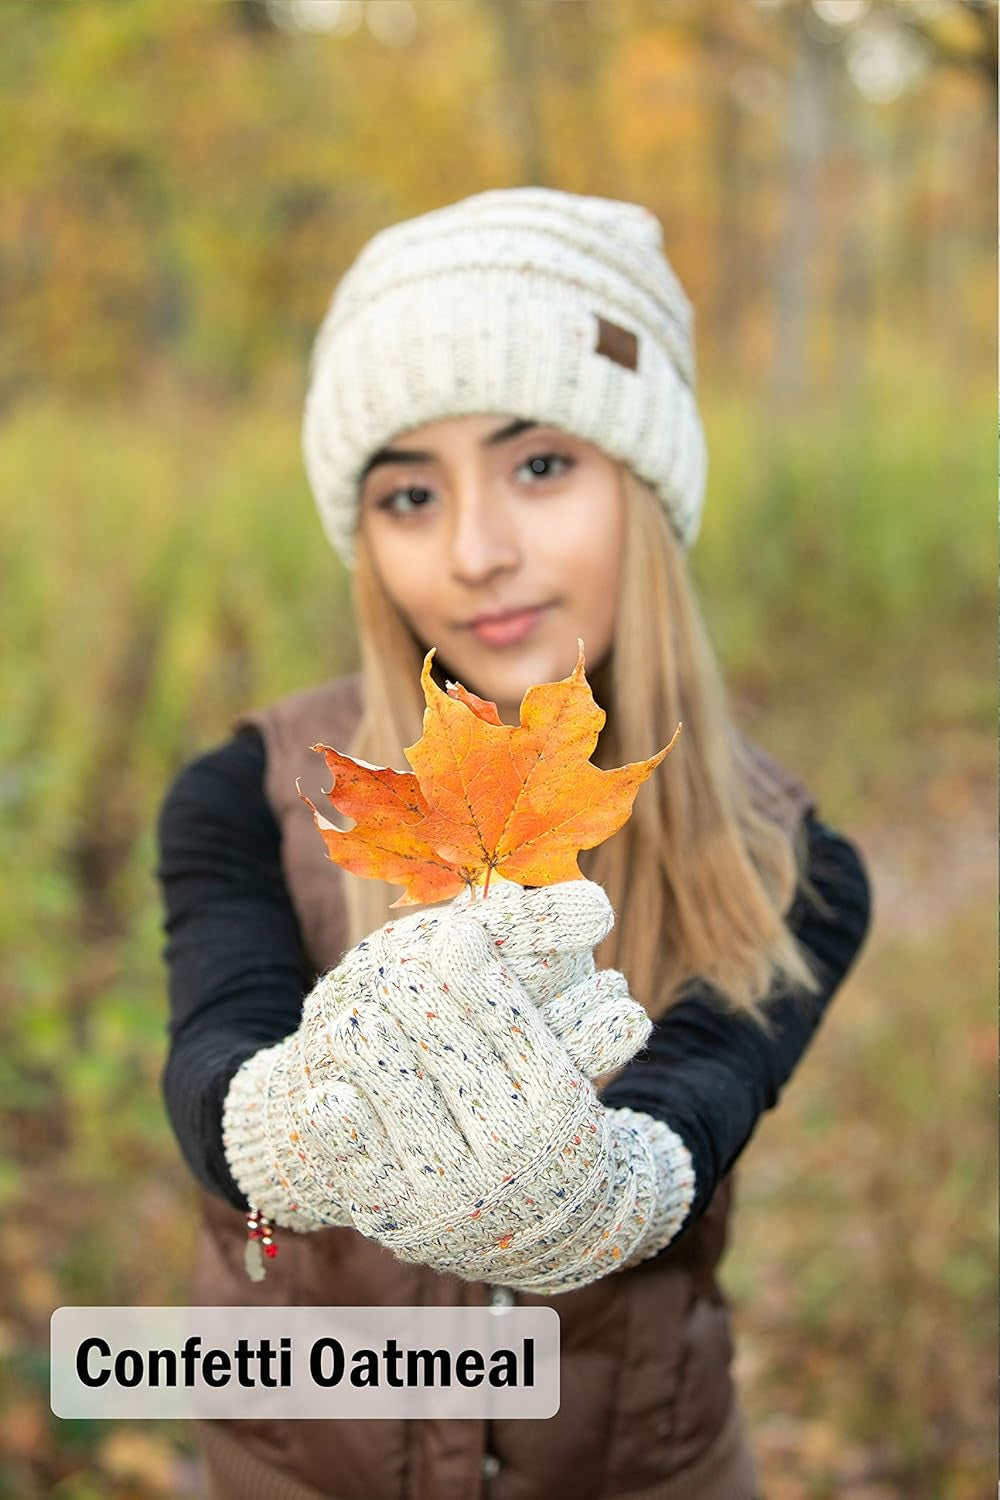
<point>509,630</point>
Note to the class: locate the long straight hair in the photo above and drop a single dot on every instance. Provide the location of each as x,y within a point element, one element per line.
<point>703,873</point>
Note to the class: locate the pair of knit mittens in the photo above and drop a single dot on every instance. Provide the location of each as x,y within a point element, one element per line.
<point>438,1097</point>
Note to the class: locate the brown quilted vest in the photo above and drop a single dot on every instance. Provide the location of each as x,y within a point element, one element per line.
<point>645,1382</point>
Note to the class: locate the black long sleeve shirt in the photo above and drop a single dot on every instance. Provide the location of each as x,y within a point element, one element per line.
<point>238,974</point>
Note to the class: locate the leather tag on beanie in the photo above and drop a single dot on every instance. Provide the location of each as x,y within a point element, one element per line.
<point>617,343</point>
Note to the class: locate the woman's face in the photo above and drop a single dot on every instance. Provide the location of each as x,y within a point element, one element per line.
<point>484,515</point>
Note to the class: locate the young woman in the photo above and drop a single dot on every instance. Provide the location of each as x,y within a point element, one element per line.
<point>502,437</point>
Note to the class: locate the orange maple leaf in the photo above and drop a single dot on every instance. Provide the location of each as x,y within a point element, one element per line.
<point>521,799</point>
<point>385,843</point>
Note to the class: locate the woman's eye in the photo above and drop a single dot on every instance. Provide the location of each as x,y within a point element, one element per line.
<point>416,496</point>
<point>411,491</point>
<point>538,464</point>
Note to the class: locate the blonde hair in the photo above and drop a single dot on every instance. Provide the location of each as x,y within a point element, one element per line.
<point>701,875</point>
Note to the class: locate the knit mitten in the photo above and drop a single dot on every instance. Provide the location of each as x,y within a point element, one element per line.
<point>291,1171</point>
<point>546,937</point>
<point>471,1140</point>
<point>285,1168</point>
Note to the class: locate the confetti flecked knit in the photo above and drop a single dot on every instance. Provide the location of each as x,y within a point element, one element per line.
<point>439,1098</point>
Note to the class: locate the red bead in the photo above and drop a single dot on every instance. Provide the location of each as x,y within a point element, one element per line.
<point>255,1234</point>
<point>270,1250</point>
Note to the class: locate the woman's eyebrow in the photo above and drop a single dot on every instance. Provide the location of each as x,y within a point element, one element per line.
<point>401,456</point>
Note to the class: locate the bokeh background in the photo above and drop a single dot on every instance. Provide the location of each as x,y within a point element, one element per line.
<point>180,187</point>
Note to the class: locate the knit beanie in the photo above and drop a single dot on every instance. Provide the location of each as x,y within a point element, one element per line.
<point>530,302</point>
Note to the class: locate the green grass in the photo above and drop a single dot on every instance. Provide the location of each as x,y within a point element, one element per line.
<point>864,1265</point>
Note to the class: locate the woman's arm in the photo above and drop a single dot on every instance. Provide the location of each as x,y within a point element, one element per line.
<point>238,975</point>
<point>236,966</point>
<point>709,1074</point>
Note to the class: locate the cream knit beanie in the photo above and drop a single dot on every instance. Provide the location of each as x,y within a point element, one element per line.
<point>529,302</point>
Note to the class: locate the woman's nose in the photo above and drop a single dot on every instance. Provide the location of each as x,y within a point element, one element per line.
<point>484,538</point>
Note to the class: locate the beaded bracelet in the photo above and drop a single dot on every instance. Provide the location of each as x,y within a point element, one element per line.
<point>259,1238</point>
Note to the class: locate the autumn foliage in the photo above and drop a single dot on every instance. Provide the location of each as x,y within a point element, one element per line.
<point>519,799</point>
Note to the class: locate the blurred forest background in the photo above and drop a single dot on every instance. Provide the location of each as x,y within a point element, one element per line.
<point>181,187</point>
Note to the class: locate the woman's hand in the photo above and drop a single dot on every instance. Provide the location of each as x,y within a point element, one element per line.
<point>474,1149</point>
<point>471,1140</point>
<point>546,937</point>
